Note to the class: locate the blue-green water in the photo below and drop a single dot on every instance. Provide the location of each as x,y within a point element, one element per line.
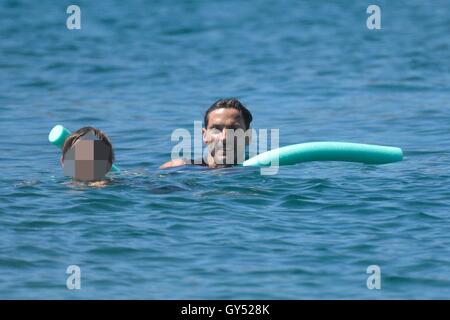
<point>140,69</point>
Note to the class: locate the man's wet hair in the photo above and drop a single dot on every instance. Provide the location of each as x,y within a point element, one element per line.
<point>70,141</point>
<point>230,103</point>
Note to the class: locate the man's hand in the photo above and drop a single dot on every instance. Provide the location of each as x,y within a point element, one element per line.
<point>173,163</point>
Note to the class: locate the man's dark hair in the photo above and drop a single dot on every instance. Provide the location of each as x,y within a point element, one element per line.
<point>70,141</point>
<point>230,103</point>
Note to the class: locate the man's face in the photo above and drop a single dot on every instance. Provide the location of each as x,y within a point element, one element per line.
<point>224,146</point>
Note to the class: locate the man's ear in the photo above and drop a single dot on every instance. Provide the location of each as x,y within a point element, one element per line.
<point>205,139</point>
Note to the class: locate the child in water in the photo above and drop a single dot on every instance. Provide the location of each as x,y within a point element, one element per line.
<point>87,156</point>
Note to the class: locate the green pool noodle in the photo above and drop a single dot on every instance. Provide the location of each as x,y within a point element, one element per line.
<point>59,134</point>
<point>327,151</point>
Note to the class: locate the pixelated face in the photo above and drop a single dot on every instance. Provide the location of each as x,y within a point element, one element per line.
<point>87,159</point>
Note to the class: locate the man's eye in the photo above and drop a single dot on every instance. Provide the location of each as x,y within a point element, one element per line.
<point>214,131</point>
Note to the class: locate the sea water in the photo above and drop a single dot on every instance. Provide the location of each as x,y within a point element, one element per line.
<point>138,70</point>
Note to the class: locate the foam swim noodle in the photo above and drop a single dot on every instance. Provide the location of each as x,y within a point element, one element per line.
<point>59,134</point>
<point>327,151</point>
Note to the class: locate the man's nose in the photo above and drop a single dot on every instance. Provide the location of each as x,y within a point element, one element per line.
<point>223,135</point>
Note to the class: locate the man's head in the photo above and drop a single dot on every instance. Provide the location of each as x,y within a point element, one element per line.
<point>87,154</point>
<point>226,121</point>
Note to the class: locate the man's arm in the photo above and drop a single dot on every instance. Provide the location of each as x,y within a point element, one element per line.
<point>173,163</point>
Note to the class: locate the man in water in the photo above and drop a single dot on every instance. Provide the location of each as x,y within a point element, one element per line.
<point>223,122</point>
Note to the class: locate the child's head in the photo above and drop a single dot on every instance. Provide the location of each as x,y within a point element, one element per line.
<point>87,154</point>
